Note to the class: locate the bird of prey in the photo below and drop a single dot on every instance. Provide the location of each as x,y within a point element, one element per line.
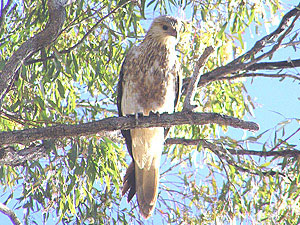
<point>149,82</point>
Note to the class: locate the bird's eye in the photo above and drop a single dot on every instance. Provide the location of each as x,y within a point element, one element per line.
<point>165,27</point>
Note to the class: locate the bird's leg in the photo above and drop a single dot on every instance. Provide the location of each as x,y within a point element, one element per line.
<point>136,118</point>
<point>137,115</point>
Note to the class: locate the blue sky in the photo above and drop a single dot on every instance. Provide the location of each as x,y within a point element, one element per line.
<point>275,100</point>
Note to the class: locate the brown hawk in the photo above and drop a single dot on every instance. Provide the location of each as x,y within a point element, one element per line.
<point>149,82</point>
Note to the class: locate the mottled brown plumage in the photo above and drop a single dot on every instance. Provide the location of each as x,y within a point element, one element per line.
<point>149,82</point>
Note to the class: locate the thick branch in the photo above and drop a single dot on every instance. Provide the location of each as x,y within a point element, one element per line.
<point>12,216</point>
<point>241,63</point>
<point>192,88</point>
<point>40,40</point>
<point>117,123</point>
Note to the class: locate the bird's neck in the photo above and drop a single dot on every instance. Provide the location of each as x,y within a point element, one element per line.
<point>166,43</point>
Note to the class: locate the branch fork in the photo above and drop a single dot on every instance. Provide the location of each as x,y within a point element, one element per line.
<point>188,104</point>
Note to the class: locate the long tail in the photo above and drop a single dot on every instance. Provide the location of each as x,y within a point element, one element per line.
<point>147,145</point>
<point>147,188</point>
<point>145,184</point>
<point>142,175</point>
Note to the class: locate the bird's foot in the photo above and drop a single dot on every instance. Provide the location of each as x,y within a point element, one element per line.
<point>154,113</point>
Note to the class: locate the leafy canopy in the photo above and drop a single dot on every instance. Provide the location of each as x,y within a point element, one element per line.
<point>74,81</point>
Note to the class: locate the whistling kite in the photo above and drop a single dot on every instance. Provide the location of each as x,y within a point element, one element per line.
<point>149,82</point>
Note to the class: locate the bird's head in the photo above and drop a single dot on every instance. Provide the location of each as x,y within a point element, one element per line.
<point>165,29</point>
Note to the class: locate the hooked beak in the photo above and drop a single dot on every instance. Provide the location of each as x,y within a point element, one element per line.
<point>173,33</point>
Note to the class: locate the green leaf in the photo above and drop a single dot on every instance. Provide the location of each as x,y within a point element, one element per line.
<point>221,32</point>
<point>61,88</point>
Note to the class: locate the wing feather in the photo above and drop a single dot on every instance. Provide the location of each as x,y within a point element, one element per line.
<point>178,87</point>
<point>129,178</point>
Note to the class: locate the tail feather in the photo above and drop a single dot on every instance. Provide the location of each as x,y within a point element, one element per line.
<point>129,182</point>
<point>142,175</point>
<point>147,188</point>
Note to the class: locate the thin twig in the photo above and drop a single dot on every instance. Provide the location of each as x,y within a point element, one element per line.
<point>295,43</point>
<point>271,153</point>
<point>218,149</point>
<point>278,44</point>
<point>274,65</point>
<point>227,174</point>
<point>222,152</point>
<point>172,167</point>
<point>285,140</point>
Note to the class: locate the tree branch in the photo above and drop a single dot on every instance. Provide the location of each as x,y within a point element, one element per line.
<point>193,84</point>
<point>221,152</point>
<point>9,156</point>
<point>12,216</point>
<point>260,75</point>
<point>260,66</point>
<point>241,63</point>
<point>40,40</point>
<point>117,123</point>
<point>285,153</point>
<point>274,65</point>
<point>285,140</point>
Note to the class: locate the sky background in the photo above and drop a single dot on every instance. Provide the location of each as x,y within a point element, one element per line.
<point>275,100</point>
